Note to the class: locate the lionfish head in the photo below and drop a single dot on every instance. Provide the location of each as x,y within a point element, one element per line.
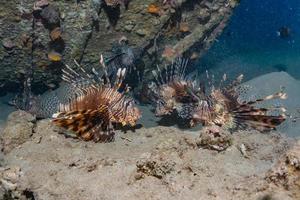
<point>202,113</point>
<point>166,92</point>
<point>128,57</point>
<point>132,115</point>
<point>164,107</point>
<point>218,96</point>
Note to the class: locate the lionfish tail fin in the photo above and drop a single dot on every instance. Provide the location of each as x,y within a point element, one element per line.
<point>85,123</point>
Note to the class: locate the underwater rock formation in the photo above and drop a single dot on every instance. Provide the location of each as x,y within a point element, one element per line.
<point>18,129</point>
<point>92,27</point>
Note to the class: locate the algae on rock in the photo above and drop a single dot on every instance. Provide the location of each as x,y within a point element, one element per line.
<point>86,34</point>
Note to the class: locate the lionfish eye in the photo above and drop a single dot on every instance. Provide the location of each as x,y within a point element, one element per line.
<point>161,103</point>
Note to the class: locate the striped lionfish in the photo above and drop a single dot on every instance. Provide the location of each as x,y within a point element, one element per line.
<point>175,91</point>
<point>96,105</point>
<point>225,108</point>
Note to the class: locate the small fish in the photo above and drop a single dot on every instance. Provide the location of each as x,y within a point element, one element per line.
<point>153,9</point>
<point>54,56</point>
<point>55,34</point>
<point>284,32</point>
<point>184,27</point>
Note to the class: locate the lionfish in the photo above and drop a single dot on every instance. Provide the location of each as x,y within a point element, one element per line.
<point>175,91</point>
<point>172,89</point>
<point>95,105</point>
<point>122,55</point>
<point>225,108</point>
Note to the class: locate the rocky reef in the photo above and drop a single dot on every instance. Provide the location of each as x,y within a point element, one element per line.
<point>41,36</point>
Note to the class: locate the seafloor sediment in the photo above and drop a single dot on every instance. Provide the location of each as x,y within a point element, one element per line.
<point>148,163</point>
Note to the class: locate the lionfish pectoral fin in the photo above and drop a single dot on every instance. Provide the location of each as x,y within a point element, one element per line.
<point>261,122</point>
<point>102,133</point>
<point>82,122</point>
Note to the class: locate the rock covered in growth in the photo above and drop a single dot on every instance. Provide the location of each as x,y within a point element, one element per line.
<point>91,27</point>
<point>9,183</point>
<point>51,15</point>
<point>215,138</point>
<point>18,129</point>
<point>286,173</point>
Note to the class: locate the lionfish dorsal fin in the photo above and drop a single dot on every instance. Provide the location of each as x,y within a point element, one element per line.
<point>80,78</point>
<point>120,77</point>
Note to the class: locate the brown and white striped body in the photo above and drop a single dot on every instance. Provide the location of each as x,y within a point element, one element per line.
<point>223,108</point>
<point>96,108</point>
<point>172,89</point>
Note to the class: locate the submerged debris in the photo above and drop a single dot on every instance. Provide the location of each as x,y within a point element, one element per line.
<point>243,150</point>
<point>156,168</point>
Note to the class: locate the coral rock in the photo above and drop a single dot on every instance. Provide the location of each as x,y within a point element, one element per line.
<point>214,138</point>
<point>18,129</point>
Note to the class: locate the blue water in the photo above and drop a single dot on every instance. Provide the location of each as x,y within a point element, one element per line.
<point>250,43</point>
